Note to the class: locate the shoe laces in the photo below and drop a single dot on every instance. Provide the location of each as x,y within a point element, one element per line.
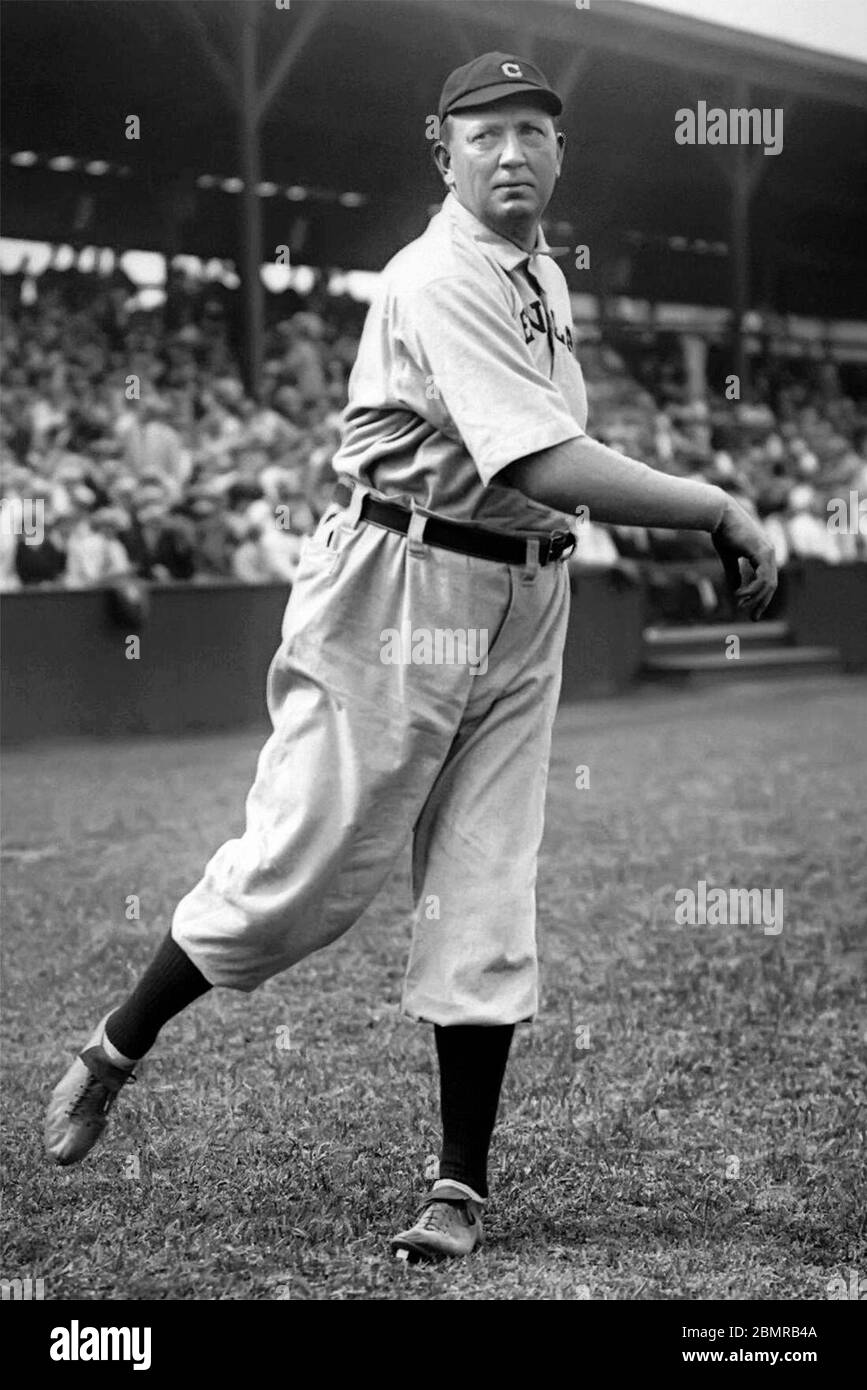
<point>94,1098</point>
<point>441,1213</point>
<point>99,1088</point>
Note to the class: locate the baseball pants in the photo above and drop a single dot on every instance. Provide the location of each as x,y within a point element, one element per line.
<point>379,737</point>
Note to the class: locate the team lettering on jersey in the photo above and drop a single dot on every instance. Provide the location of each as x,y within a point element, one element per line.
<point>537,318</point>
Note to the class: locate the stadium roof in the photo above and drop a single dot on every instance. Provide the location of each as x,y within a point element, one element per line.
<point>345,165</point>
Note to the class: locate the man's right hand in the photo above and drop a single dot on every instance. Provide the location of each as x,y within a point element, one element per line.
<point>738,537</point>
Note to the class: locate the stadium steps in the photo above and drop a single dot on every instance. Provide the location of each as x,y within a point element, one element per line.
<point>692,656</point>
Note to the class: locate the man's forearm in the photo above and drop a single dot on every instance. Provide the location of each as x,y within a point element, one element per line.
<point>583,472</point>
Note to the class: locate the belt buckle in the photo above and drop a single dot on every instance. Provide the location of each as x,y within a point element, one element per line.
<point>567,538</point>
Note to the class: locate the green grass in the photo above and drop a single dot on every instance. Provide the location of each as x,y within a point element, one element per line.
<point>269,1174</point>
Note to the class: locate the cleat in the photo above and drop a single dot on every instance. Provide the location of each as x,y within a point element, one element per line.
<point>448,1225</point>
<point>78,1110</point>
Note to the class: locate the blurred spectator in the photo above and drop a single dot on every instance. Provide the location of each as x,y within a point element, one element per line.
<point>95,553</point>
<point>160,544</point>
<point>43,560</point>
<point>302,357</point>
<point>806,527</point>
<point>267,554</point>
<point>249,563</point>
<point>152,445</point>
<point>595,547</point>
<point>211,535</point>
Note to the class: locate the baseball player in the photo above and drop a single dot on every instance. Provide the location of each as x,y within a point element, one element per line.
<point>417,679</point>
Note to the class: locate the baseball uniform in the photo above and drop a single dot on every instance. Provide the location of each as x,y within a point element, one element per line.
<point>414,689</point>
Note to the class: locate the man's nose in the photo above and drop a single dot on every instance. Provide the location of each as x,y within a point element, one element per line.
<point>512,151</point>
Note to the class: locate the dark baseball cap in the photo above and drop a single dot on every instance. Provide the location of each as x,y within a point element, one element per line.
<point>492,77</point>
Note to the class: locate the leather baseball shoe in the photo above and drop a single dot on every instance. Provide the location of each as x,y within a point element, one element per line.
<point>449,1224</point>
<point>78,1110</point>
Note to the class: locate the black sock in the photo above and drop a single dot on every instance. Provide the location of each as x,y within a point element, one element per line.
<point>169,984</point>
<point>472,1065</point>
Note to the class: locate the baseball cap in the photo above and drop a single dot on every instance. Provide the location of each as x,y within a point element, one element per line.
<point>492,77</point>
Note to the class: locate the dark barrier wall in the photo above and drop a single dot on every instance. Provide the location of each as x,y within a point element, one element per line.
<point>826,606</point>
<point>604,646</point>
<point>203,660</point>
<point>205,651</point>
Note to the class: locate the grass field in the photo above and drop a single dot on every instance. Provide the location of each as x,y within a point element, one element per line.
<point>706,1142</point>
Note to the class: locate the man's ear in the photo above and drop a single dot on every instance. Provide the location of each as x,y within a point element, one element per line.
<point>561,150</point>
<point>443,160</point>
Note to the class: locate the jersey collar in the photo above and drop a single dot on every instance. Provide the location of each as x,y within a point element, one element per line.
<point>504,252</point>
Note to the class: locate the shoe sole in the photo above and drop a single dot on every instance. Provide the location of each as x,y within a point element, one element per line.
<point>414,1254</point>
<point>67,1160</point>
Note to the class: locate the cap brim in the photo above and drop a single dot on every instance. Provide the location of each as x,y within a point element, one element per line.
<point>488,95</point>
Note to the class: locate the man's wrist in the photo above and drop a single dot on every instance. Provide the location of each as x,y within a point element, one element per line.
<point>698,506</point>
<point>718,502</point>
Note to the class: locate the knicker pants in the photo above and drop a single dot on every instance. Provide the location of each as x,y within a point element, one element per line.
<point>375,740</point>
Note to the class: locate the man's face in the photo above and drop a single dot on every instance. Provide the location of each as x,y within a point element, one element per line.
<point>502,162</point>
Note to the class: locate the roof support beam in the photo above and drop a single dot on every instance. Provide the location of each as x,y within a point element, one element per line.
<point>252,288</point>
<point>567,81</point>
<point>222,69</point>
<point>311,18</point>
<point>251,100</point>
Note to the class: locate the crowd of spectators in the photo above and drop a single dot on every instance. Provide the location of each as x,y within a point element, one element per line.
<point>127,433</point>
<point>129,436</point>
<point>789,455</point>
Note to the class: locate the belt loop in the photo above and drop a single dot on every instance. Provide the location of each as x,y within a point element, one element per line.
<point>531,567</point>
<point>415,534</point>
<point>352,516</point>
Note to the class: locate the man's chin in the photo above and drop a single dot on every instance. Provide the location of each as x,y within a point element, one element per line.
<point>513,214</point>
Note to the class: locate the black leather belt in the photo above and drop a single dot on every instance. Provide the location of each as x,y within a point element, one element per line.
<point>457,535</point>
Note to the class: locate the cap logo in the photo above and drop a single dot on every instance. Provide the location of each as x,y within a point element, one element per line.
<point>511,70</point>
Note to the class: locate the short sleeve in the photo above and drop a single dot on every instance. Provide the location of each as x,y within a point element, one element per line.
<point>462,335</point>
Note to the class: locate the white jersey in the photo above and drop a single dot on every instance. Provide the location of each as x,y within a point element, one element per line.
<point>465,365</point>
